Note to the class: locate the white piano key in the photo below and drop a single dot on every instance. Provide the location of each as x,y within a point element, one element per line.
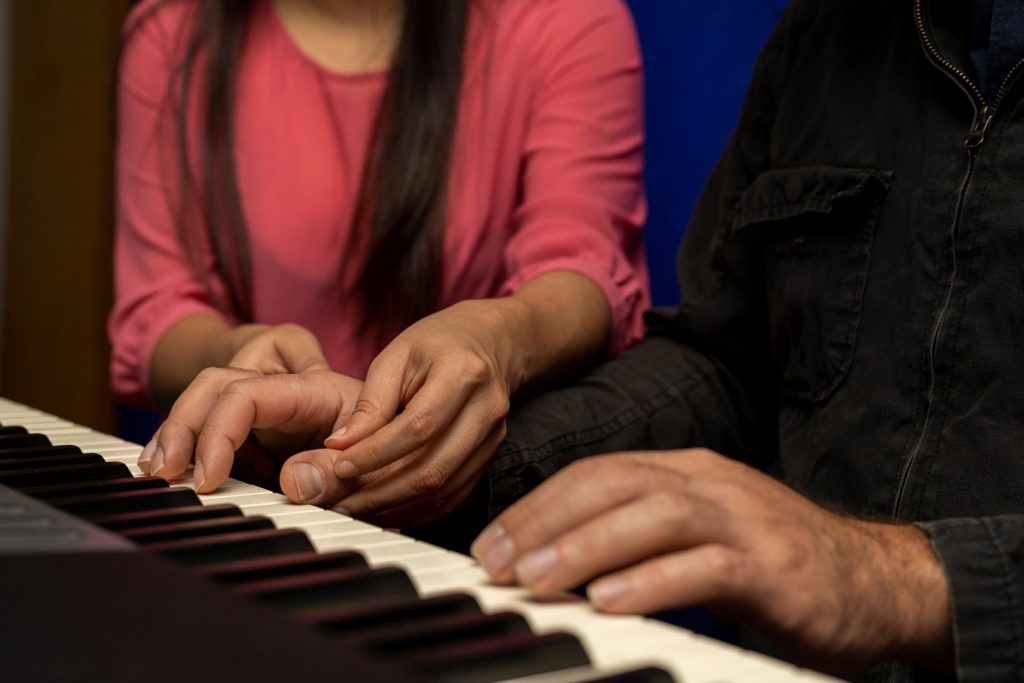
<point>328,527</point>
<point>121,454</point>
<point>288,509</point>
<point>357,542</point>
<point>252,502</point>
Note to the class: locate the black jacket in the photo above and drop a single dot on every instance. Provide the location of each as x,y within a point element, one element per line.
<point>852,313</point>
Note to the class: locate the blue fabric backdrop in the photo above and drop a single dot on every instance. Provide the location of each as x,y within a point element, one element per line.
<point>698,56</point>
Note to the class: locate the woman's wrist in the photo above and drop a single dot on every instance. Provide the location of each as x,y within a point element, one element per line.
<point>193,343</point>
<point>550,328</point>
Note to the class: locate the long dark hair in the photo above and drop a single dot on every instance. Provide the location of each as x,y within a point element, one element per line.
<point>399,215</point>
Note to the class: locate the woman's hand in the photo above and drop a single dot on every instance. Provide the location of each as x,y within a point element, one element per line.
<point>434,404</point>
<point>272,349</point>
<point>289,416</point>
<point>201,341</point>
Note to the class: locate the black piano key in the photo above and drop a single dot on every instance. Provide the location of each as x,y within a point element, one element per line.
<point>194,513</point>
<point>195,529</point>
<point>23,441</point>
<point>46,476</point>
<point>648,674</point>
<point>39,451</point>
<point>343,620</point>
<point>96,488</point>
<point>336,586</point>
<point>11,430</point>
<point>498,658</point>
<point>285,565</point>
<point>408,639</point>
<point>229,547</point>
<point>126,501</point>
<point>7,464</point>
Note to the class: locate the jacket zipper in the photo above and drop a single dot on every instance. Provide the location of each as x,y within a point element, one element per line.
<point>983,115</point>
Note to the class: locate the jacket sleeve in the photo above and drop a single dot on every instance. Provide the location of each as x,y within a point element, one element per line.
<point>984,563</point>
<point>155,284</point>
<point>583,203</point>
<point>704,375</point>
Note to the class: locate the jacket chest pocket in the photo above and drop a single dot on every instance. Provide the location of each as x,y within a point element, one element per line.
<point>815,226</point>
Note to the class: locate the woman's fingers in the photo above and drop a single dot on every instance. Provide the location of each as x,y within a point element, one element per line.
<point>308,478</point>
<point>442,467</point>
<point>444,396</point>
<point>176,440</point>
<point>304,403</point>
<point>300,350</point>
<point>378,402</point>
<point>215,415</point>
<point>284,348</point>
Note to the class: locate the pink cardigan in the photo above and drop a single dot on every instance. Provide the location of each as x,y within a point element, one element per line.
<point>546,173</point>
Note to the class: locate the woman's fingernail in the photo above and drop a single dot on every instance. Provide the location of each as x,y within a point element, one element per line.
<point>536,564</point>
<point>199,474</point>
<point>338,434</point>
<point>607,592</point>
<point>345,469</point>
<point>308,482</point>
<point>157,463</point>
<point>341,510</point>
<point>495,550</point>
<point>146,456</point>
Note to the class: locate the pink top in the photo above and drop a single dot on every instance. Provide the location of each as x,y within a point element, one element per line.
<point>546,173</point>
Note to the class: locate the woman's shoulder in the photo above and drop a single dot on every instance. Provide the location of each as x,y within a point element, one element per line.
<point>581,10</point>
<point>540,34</point>
<point>539,25</point>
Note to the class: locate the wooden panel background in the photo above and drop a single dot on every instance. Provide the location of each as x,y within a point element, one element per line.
<point>59,206</point>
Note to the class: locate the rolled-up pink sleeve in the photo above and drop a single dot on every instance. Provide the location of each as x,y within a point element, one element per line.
<point>154,284</point>
<point>583,202</point>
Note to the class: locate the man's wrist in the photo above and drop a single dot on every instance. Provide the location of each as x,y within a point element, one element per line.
<point>913,593</point>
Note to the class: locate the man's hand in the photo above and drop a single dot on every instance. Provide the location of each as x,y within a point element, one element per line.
<point>290,415</point>
<point>691,527</point>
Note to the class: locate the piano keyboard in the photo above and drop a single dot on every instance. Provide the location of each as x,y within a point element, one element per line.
<point>635,648</point>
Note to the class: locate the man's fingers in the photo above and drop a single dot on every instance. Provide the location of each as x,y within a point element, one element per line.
<point>707,575</point>
<point>308,478</point>
<point>637,531</point>
<point>584,490</point>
